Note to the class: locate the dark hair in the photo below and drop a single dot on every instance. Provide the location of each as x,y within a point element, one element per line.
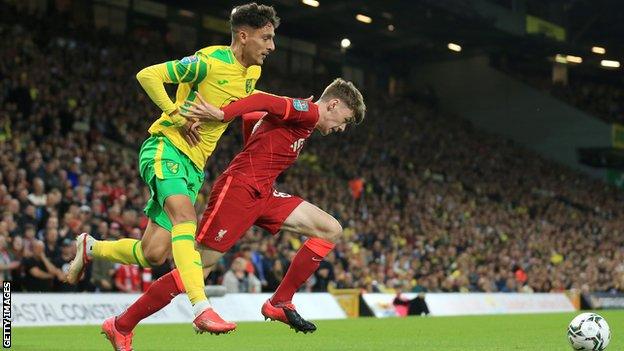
<point>347,93</point>
<point>253,15</point>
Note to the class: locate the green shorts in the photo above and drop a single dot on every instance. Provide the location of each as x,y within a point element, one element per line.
<point>167,171</point>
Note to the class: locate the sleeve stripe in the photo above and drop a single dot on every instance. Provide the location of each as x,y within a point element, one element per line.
<point>196,70</point>
<point>201,72</point>
<point>181,70</point>
<point>288,105</point>
<point>171,72</point>
<point>191,73</point>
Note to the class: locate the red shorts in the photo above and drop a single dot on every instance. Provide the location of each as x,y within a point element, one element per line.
<point>234,206</point>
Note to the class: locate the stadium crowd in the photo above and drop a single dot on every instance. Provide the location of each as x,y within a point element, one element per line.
<point>427,203</point>
<point>593,93</point>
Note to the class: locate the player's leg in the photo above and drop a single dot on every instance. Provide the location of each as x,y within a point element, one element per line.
<point>220,211</point>
<point>155,243</point>
<point>232,209</point>
<point>174,182</point>
<point>152,250</point>
<point>188,261</point>
<point>119,329</point>
<point>209,320</point>
<point>163,290</point>
<point>323,230</point>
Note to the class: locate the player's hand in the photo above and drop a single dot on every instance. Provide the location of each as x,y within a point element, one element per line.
<point>190,132</point>
<point>60,275</point>
<point>201,110</point>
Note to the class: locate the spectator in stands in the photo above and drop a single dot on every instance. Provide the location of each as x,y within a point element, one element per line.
<point>38,197</point>
<point>323,276</point>
<point>103,271</point>
<point>16,252</point>
<point>39,272</point>
<point>275,275</point>
<point>238,280</point>
<point>52,244</point>
<point>7,261</point>
<point>61,262</point>
<point>128,278</point>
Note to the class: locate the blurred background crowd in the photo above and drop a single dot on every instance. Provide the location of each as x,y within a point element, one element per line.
<point>427,202</point>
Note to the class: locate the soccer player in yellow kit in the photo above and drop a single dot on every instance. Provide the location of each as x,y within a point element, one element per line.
<point>172,159</point>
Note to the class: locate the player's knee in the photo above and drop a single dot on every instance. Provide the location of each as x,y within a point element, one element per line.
<point>208,265</point>
<point>183,216</point>
<point>332,230</point>
<point>180,209</point>
<point>157,255</point>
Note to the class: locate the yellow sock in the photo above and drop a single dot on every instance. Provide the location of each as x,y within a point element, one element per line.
<point>188,260</point>
<point>128,251</point>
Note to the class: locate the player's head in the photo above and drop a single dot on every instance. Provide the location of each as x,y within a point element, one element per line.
<point>340,105</point>
<point>253,28</point>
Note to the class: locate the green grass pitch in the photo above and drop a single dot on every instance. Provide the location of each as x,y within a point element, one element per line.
<point>509,332</point>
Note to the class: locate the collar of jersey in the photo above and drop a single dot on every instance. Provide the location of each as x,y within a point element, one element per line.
<point>236,62</point>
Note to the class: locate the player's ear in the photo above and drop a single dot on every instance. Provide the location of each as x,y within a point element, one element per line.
<point>242,35</point>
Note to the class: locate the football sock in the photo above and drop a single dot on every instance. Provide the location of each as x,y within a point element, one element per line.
<point>128,251</point>
<point>159,295</point>
<point>305,263</point>
<point>188,260</point>
<point>200,307</point>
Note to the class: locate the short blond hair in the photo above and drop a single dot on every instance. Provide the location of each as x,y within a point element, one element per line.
<point>346,92</point>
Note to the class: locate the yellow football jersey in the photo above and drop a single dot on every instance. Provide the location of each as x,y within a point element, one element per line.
<point>215,73</point>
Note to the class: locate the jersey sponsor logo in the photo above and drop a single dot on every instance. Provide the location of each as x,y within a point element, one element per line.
<point>300,105</point>
<point>220,235</point>
<point>172,167</point>
<point>249,85</point>
<point>188,60</point>
<point>222,81</point>
<point>278,194</point>
<point>297,145</point>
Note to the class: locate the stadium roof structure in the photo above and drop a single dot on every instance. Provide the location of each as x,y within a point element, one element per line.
<point>421,29</point>
<point>418,28</point>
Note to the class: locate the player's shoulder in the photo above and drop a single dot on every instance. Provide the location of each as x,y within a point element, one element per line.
<point>212,49</point>
<point>302,105</point>
<point>217,53</point>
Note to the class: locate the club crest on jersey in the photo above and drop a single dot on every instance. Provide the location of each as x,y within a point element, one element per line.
<point>220,235</point>
<point>249,85</point>
<point>300,105</point>
<point>172,167</point>
<point>188,60</point>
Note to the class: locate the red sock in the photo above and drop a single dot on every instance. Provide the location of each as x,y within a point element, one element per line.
<point>159,295</point>
<point>305,263</point>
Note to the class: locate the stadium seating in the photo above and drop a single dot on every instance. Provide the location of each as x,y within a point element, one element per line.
<point>427,202</point>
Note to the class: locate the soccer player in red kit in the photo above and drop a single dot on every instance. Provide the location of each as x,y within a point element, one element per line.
<point>244,195</point>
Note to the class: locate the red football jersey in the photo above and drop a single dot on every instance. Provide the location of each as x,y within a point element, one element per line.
<point>249,121</point>
<point>276,139</point>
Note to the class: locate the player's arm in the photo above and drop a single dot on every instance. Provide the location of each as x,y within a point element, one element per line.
<point>40,274</point>
<point>153,78</point>
<point>275,105</point>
